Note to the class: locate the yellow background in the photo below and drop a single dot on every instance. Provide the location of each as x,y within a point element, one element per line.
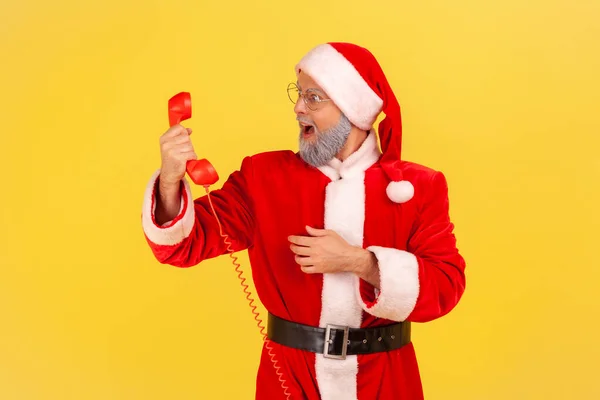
<point>502,96</point>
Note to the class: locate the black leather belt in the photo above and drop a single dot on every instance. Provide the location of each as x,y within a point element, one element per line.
<point>341,340</point>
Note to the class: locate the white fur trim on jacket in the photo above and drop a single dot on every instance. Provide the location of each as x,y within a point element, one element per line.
<point>356,164</point>
<point>399,281</point>
<point>342,82</point>
<point>345,214</point>
<point>171,232</point>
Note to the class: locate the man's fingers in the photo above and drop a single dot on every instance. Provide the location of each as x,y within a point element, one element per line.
<point>189,155</point>
<point>301,250</point>
<point>305,261</point>
<point>316,232</point>
<point>174,131</point>
<point>301,240</point>
<point>180,139</point>
<point>309,270</point>
<point>184,148</point>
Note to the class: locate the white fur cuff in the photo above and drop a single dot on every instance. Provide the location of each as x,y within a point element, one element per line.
<point>172,232</point>
<point>399,280</point>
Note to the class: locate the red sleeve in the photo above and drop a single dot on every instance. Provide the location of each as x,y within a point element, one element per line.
<point>427,280</point>
<point>441,266</point>
<point>194,235</point>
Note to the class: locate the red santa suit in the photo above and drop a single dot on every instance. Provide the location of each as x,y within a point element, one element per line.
<point>397,209</point>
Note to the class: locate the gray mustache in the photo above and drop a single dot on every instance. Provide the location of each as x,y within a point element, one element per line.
<point>305,120</point>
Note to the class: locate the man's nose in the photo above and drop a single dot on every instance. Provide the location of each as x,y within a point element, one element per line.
<point>300,106</point>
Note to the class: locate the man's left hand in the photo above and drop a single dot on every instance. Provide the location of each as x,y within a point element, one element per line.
<point>326,251</point>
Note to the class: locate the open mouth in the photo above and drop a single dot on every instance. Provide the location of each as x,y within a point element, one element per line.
<point>307,130</point>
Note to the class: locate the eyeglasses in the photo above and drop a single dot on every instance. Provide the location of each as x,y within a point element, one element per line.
<point>313,98</point>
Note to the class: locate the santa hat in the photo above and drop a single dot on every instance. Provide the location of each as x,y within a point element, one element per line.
<point>354,80</point>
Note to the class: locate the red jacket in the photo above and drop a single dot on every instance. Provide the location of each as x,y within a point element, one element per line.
<point>276,194</point>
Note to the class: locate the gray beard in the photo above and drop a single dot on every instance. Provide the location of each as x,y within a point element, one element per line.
<point>327,144</point>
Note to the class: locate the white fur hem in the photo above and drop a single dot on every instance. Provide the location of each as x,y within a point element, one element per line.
<point>399,281</point>
<point>342,82</point>
<point>172,232</point>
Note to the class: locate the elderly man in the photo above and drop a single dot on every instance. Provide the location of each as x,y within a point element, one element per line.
<point>348,244</point>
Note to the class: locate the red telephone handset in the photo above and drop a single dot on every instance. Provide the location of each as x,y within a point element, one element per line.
<point>201,172</point>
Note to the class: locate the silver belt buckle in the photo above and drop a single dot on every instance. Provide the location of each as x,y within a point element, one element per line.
<point>328,329</point>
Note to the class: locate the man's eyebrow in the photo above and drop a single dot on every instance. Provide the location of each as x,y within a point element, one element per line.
<point>311,89</point>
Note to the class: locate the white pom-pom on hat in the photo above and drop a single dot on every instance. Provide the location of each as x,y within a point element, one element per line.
<point>400,192</point>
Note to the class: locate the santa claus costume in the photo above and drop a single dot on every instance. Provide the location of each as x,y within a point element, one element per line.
<point>397,209</point>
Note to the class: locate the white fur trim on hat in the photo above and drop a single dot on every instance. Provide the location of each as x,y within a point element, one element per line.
<point>400,192</point>
<point>342,82</point>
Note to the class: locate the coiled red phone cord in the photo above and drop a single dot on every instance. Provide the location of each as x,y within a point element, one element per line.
<point>259,321</point>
